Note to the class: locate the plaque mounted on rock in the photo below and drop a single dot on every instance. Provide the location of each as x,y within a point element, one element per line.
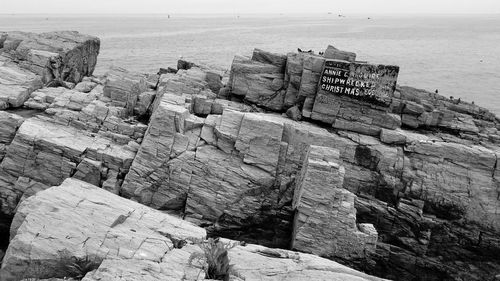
<point>367,82</point>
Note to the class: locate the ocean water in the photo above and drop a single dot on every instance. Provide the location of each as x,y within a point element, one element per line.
<point>459,55</point>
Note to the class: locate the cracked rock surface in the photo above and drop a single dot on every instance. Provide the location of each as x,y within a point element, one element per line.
<point>129,241</point>
<point>407,191</point>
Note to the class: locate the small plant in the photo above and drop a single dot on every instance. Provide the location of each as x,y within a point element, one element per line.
<point>79,267</point>
<point>214,259</point>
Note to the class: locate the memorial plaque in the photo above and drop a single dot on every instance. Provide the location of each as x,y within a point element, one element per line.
<point>367,82</point>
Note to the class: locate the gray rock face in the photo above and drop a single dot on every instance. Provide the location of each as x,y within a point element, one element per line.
<point>124,87</point>
<point>78,220</point>
<point>29,60</point>
<point>325,218</point>
<point>333,53</point>
<point>258,82</point>
<point>421,172</point>
<point>129,241</point>
<point>63,55</point>
<point>16,84</point>
<point>47,153</point>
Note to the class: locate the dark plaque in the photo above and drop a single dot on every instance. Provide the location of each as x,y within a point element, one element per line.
<point>367,82</point>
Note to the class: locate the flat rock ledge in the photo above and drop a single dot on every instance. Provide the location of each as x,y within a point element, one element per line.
<point>130,241</point>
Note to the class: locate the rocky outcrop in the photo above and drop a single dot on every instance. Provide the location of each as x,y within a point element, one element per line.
<point>29,60</point>
<point>47,153</point>
<point>325,218</point>
<point>62,55</point>
<point>124,240</point>
<point>422,173</point>
<point>405,181</point>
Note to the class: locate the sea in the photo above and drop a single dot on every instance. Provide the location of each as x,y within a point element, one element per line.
<point>458,55</point>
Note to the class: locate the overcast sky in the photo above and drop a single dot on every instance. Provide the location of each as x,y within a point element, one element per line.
<point>250,6</point>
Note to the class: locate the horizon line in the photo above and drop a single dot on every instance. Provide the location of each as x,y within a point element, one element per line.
<point>254,13</point>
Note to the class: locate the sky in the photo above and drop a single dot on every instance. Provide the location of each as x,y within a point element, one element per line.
<point>250,6</point>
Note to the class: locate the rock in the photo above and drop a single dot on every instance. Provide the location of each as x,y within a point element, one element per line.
<point>48,153</point>
<point>355,126</point>
<point>85,86</point>
<point>333,53</point>
<point>214,81</point>
<point>257,82</point>
<point>62,55</point>
<point>259,141</point>
<point>150,252</point>
<point>430,192</point>
<point>166,70</point>
<point>294,113</point>
<point>124,87</point>
<point>392,136</point>
<point>72,206</point>
<point>269,58</point>
<point>9,123</point>
<point>16,85</point>
<point>112,184</point>
<point>259,263</point>
<point>309,82</point>
<point>461,168</point>
<point>293,76</point>
<point>183,64</point>
<point>325,210</point>
<point>89,171</point>
<point>144,103</point>
<point>59,98</point>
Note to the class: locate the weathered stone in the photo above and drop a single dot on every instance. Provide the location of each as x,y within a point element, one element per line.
<point>48,153</point>
<point>278,60</point>
<point>294,113</point>
<point>325,218</point>
<point>98,225</point>
<point>214,81</point>
<point>309,82</point>
<point>62,55</point>
<point>293,75</point>
<point>333,53</point>
<point>128,241</point>
<point>9,123</point>
<point>89,171</point>
<point>259,141</point>
<point>85,86</point>
<point>144,103</point>
<point>257,82</point>
<point>460,169</point>
<point>392,136</point>
<point>124,87</point>
<point>149,165</point>
<point>16,84</point>
<point>357,127</point>
<point>259,263</point>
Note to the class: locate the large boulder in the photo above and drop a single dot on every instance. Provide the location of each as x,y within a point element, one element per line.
<point>62,55</point>
<point>118,239</point>
<point>79,220</point>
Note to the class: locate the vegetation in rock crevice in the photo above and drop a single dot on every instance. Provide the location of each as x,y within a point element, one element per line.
<point>214,259</point>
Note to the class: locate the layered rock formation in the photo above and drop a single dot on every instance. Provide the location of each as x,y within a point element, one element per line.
<point>405,187</point>
<point>62,55</point>
<point>29,60</point>
<point>125,240</point>
<point>325,218</point>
